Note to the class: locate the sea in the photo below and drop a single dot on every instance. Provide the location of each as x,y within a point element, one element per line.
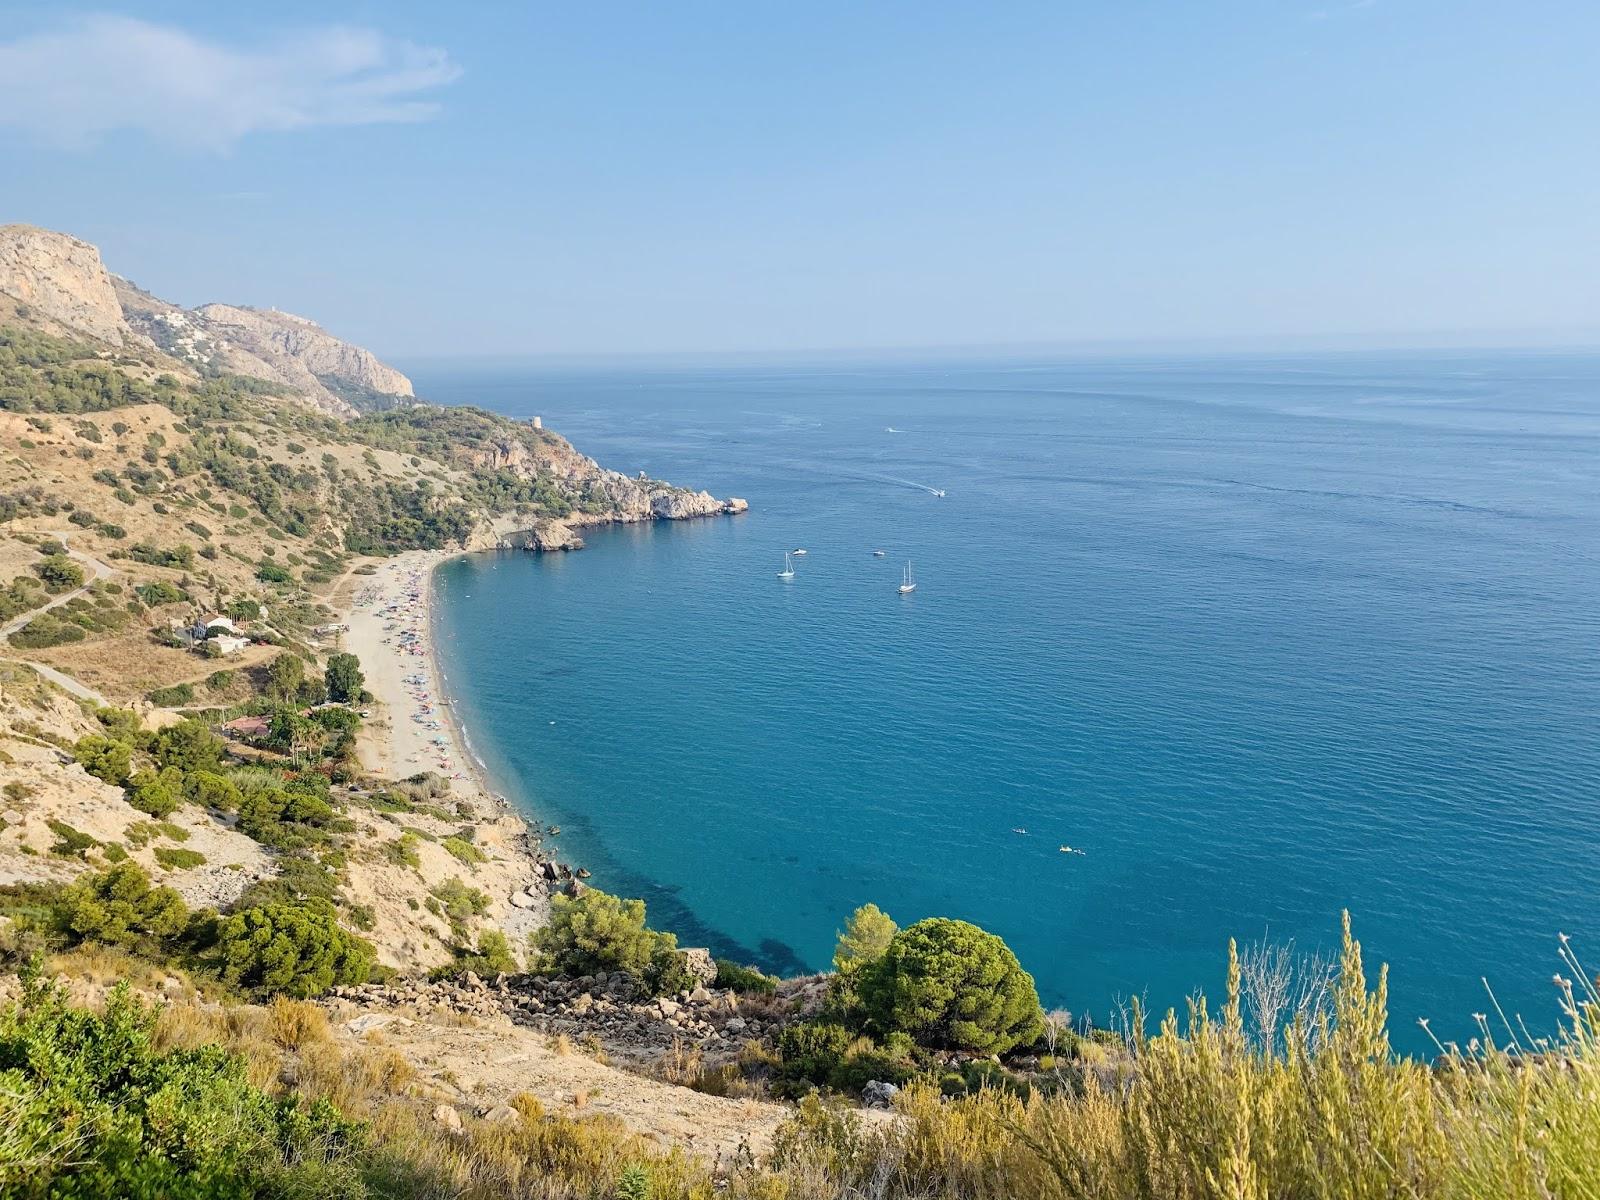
<point>1200,649</point>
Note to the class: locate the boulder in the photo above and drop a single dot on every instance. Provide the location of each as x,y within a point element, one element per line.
<point>701,965</point>
<point>446,1115</point>
<point>878,1094</point>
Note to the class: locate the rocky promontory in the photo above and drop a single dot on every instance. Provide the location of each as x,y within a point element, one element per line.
<point>61,281</point>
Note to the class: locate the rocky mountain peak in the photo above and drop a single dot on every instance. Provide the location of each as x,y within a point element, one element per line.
<point>305,356</point>
<point>65,288</point>
<point>62,280</point>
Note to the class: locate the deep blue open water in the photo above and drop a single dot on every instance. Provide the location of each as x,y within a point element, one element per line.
<point>1264,637</point>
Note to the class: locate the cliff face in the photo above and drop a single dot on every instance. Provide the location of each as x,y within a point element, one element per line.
<point>189,337</point>
<point>62,281</point>
<point>305,352</point>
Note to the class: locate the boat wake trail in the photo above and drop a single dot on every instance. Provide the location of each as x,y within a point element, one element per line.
<point>897,481</point>
<point>833,472</point>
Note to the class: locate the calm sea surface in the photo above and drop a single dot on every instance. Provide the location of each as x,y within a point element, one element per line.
<point>1264,637</point>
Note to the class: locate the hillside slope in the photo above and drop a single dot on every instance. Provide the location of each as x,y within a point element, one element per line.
<point>162,468</point>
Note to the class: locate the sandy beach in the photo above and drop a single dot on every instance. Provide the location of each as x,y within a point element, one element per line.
<point>390,632</point>
<point>410,730</point>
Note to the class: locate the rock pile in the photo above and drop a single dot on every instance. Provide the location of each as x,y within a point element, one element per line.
<point>608,1008</point>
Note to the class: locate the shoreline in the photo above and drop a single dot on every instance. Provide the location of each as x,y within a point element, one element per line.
<point>414,727</point>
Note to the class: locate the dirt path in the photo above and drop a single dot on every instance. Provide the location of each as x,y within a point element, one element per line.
<point>485,1063</point>
<point>97,571</point>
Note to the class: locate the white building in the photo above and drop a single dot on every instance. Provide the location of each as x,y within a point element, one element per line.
<point>228,644</point>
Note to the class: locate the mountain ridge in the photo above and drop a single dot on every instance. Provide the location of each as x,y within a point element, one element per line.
<point>64,280</point>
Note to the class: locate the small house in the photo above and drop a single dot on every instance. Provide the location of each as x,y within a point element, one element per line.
<point>227,643</point>
<point>246,727</point>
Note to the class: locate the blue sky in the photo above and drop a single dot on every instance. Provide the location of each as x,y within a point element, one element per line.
<point>612,178</point>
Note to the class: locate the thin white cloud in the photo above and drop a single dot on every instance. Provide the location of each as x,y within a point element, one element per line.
<point>103,74</point>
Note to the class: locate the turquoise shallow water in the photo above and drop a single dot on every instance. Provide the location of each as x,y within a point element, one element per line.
<point>1266,638</point>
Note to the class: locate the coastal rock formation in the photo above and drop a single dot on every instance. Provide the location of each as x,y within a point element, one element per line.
<point>61,280</point>
<point>605,496</point>
<point>544,534</point>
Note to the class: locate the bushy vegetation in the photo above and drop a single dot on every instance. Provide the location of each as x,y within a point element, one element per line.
<point>58,573</point>
<point>175,696</point>
<point>749,980</point>
<point>950,985</point>
<point>90,1107</point>
<point>294,948</point>
<point>120,908</point>
<point>596,933</point>
<point>864,939</point>
<point>345,682</point>
<point>286,813</point>
<point>96,611</point>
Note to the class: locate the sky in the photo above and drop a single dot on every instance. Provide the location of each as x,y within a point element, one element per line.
<point>603,178</point>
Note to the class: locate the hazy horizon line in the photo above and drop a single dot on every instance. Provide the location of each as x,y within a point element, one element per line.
<point>1496,341</point>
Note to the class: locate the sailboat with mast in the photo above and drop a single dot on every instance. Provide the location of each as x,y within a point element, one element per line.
<point>788,567</point>
<point>907,583</point>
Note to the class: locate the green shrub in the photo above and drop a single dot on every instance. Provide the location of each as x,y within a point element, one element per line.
<point>93,1109</point>
<point>864,939</point>
<point>179,558</point>
<point>59,573</point>
<point>188,746</point>
<point>861,1065</point>
<point>118,907</point>
<point>210,789</point>
<point>634,1183</point>
<point>747,980</point>
<point>951,986</point>
<point>159,793</point>
<point>175,696</point>
<point>492,957</point>
<point>595,933</point>
<point>460,902</point>
<point>813,1050</point>
<point>296,948</point>
<point>176,859</point>
<point>47,630</point>
<point>285,818</point>
<point>159,592</point>
<point>464,850</point>
<point>105,758</point>
<point>70,842</point>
